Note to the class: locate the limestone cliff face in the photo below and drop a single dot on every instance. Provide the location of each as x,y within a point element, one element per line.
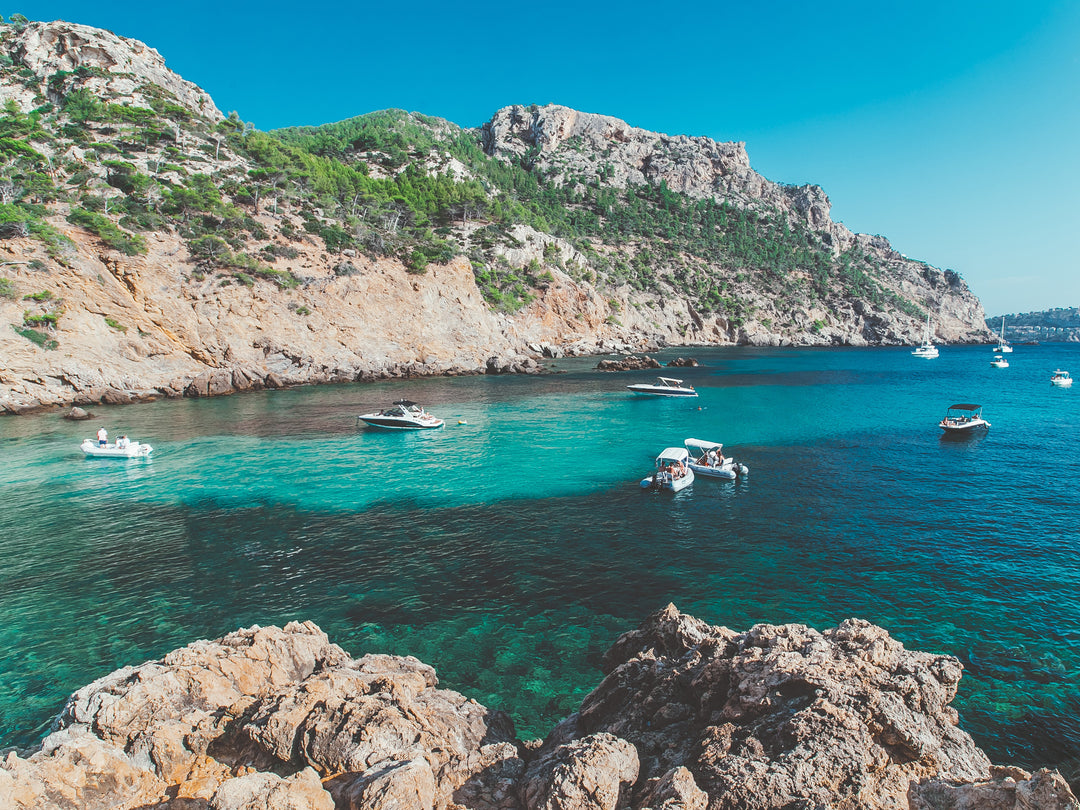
<point>564,144</point>
<point>573,143</point>
<point>172,322</point>
<point>114,67</point>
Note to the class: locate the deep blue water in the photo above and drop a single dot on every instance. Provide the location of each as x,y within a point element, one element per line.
<point>511,550</point>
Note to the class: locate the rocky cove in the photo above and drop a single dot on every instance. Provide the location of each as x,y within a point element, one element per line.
<point>687,715</point>
<point>151,246</point>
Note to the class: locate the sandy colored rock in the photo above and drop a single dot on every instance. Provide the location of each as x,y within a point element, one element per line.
<point>689,716</point>
<point>596,772</point>
<point>268,791</point>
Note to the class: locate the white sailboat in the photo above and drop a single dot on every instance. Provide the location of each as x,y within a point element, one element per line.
<point>927,350</point>
<point>1003,346</point>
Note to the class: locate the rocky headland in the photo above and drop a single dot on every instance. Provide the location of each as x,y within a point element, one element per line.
<point>151,246</point>
<point>687,716</point>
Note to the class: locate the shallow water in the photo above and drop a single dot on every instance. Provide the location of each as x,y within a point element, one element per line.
<point>510,548</point>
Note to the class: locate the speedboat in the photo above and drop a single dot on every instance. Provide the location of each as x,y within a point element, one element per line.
<point>120,449</point>
<point>963,418</point>
<point>1003,346</point>
<point>927,350</point>
<point>999,362</point>
<point>1061,378</point>
<point>707,458</point>
<point>404,415</point>
<point>672,472</point>
<point>664,387</point>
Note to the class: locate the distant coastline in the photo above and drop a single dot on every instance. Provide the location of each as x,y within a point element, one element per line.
<point>1059,325</point>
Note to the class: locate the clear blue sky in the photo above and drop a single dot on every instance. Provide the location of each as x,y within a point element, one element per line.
<point>949,127</point>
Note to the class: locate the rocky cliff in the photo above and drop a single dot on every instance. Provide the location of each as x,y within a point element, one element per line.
<point>687,716</point>
<point>151,246</point>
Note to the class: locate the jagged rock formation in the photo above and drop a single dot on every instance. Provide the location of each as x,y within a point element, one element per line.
<point>688,716</point>
<point>113,67</point>
<point>151,247</point>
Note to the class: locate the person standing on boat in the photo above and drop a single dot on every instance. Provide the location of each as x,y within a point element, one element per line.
<point>102,437</point>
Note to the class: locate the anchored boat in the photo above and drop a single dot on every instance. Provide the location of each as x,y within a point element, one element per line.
<point>927,350</point>
<point>404,415</point>
<point>120,449</point>
<point>963,418</point>
<point>708,459</point>
<point>664,387</point>
<point>672,472</point>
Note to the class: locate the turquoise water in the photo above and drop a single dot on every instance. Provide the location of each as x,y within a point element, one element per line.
<point>510,548</point>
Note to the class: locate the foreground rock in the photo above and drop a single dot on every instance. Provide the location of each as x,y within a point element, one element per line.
<point>688,716</point>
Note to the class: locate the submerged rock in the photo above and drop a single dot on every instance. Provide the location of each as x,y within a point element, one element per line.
<point>687,716</point>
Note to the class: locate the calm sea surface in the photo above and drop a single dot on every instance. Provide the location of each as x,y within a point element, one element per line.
<point>511,548</point>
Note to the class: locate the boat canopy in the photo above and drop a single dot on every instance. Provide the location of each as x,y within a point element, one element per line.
<point>701,444</point>
<point>964,406</point>
<point>674,454</point>
<point>406,403</point>
<point>670,381</point>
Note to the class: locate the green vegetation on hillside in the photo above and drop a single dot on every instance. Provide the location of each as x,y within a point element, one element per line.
<point>387,184</point>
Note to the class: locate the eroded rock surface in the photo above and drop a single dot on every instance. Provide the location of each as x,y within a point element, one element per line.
<point>688,717</point>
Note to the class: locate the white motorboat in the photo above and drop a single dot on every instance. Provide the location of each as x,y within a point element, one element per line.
<point>664,387</point>
<point>404,415</point>
<point>1061,378</point>
<point>927,350</point>
<point>672,472</point>
<point>120,449</point>
<point>999,362</point>
<point>708,459</point>
<point>1003,346</point>
<point>963,418</point>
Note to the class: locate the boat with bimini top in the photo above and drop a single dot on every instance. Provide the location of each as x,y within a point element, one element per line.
<point>708,459</point>
<point>664,387</point>
<point>404,415</point>
<point>962,418</point>
<point>672,471</point>
<point>1061,379</point>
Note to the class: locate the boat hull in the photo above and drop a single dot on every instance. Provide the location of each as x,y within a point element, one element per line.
<point>1061,383</point>
<point>667,484</point>
<point>660,391</point>
<point>966,427</point>
<point>727,472</point>
<point>389,423</point>
<point>133,450</point>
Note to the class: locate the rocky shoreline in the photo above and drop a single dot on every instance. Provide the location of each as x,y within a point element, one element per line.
<point>687,716</point>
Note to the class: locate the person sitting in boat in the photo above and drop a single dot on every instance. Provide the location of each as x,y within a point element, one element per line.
<point>102,437</point>
<point>122,443</point>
